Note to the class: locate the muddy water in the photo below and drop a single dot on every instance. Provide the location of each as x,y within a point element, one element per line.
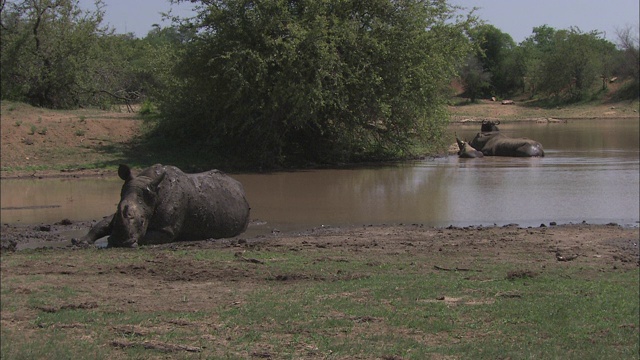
<point>590,173</point>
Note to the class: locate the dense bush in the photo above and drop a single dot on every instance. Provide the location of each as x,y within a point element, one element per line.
<point>56,55</point>
<point>274,82</point>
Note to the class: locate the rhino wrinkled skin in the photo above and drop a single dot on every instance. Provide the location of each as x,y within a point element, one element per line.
<point>163,204</point>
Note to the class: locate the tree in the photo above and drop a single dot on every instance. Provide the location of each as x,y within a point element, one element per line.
<point>476,81</point>
<point>496,56</point>
<point>530,54</point>
<point>56,55</point>
<point>45,45</point>
<point>276,81</point>
<point>567,62</point>
<point>627,63</point>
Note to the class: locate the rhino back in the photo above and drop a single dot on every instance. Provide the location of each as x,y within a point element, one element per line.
<point>201,206</point>
<point>506,146</point>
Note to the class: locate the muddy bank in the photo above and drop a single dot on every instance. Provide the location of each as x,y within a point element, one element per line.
<point>70,173</point>
<point>612,245</point>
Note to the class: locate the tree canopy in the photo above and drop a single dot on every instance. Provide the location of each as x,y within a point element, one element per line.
<point>56,55</point>
<point>276,81</point>
<point>563,63</point>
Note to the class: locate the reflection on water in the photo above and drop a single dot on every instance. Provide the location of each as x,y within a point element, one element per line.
<point>590,173</point>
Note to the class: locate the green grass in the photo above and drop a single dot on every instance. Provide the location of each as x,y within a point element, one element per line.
<point>325,304</point>
<point>391,314</point>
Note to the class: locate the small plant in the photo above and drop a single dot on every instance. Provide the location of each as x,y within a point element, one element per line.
<point>83,119</point>
<point>18,123</point>
<point>79,132</point>
<point>32,129</point>
<point>39,119</point>
<point>43,131</point>
<point>147,108</point>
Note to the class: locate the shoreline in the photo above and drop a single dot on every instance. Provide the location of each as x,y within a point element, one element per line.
<point>89,173</point>
<point>19,237</point>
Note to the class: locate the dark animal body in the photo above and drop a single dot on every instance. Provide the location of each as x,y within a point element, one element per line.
<point>493,143</point>
<point>162,204</point>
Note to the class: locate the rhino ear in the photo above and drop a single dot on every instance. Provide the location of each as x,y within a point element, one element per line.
<point>124,172</point>
<point>155,182</point>
<point>497,122</point>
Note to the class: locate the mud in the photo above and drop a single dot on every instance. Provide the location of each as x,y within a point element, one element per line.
<point>608,245</point>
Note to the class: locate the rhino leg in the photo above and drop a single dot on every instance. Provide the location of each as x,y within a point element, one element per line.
<point>100,229</point>
<point>155,237</point>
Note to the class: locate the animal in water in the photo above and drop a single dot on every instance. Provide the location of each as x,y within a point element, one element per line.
<point>162,204</point>
<point>466,150</point>
<point>491,142</point>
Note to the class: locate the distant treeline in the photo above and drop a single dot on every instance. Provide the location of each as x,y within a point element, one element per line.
<point>569,65</point>
<point>272,82</point>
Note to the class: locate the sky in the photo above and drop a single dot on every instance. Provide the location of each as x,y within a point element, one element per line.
<point>514,17</point>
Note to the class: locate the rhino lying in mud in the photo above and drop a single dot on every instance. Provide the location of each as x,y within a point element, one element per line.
<point>162,204</point>
<point>493,143</point>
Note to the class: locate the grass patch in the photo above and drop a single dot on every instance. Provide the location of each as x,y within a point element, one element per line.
<point>320,303</point>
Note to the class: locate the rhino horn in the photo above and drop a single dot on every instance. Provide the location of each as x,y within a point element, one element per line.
<point>460,142</point>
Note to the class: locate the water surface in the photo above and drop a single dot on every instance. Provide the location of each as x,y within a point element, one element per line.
<point>590,173</point>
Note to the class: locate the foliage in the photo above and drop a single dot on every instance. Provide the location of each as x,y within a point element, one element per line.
<point>576,60</point>
<point>476,80</point>
<point>564,64</point>
<point>495,55</point>
<point>45,44</point>
<point>58,56</point>
<point>274,82</point>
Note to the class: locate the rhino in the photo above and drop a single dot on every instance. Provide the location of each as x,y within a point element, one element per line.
<point>163,204</point>
<point>493,143</point>
<point>466,150</point>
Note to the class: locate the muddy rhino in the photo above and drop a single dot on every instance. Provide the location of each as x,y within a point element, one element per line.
<point>491,142</point>
<point>466,150</point>
<point>162,204</point>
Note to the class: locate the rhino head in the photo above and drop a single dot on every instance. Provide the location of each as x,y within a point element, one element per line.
<point>138,199</point>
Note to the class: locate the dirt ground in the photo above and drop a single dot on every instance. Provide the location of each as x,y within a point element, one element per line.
<point>40,139</point>
<point>172,279</point>
<point>604,247</point>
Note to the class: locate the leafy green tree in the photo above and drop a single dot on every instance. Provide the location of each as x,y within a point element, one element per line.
<point>274,81</point>
<point>574,64</point>
<point>476,80</point>
<point>566,63</point>
<point>496,55</point>
<point>45,45</point>
<point>56,55</point>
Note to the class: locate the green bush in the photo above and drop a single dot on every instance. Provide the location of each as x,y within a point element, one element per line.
<point>147,108</point>
<point>328,81</point>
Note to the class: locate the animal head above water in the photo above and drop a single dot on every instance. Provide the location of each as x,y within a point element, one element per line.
<point>489,126</point>
<point>138,199</point>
